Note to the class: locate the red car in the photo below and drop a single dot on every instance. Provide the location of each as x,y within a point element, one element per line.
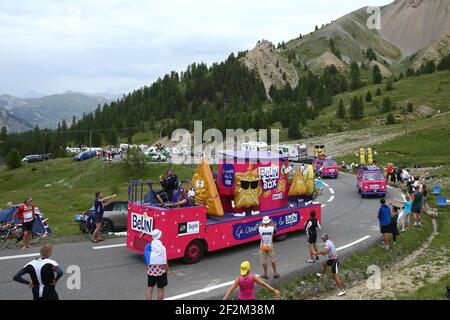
<point>326,167</point>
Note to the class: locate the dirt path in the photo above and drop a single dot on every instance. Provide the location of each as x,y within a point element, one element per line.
<point>424,265</point>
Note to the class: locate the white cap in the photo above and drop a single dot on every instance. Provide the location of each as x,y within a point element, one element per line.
<point>156,234</point>
<point>266,220</point>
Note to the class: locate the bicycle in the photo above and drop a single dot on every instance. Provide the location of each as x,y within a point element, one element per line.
<point>10,231</point>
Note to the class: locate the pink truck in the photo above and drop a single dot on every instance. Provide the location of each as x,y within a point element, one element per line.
<point>189,232</point>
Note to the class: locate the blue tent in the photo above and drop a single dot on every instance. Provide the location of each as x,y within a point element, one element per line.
<point>38,225</point>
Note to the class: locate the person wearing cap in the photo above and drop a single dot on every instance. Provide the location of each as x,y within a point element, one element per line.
<point>158,267</point>
<point>169,185</point>
<point>266,252</point>
<point>246,283</point>
<point>26,214</point>
<point>333,261</point>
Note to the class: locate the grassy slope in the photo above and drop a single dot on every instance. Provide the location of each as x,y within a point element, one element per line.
<point>73,185</point>
<point>430,90</point>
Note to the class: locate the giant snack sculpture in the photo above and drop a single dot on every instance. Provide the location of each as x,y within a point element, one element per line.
<point>303,183</point>
<point>247,189</point>
<point>206,190</point>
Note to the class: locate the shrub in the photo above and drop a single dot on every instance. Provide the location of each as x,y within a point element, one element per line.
<point>134,162</point>
<point>390,119</point>
<point>409,107</point>
<point>13,160</point>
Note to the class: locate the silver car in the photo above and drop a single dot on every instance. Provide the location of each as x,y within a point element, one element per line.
<point>115,217</point>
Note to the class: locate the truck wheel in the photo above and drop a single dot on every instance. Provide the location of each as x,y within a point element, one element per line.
<point>194,252</point>
<point>281,237</point>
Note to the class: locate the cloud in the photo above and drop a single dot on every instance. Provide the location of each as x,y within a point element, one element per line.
<point>114,46</point>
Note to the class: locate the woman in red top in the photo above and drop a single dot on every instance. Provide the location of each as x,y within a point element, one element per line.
<point>26,215</point>
<point>246,283</point>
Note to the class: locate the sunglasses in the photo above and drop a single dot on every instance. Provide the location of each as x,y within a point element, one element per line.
<point>249,184</point>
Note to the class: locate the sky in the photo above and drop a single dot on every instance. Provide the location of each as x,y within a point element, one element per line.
<point>115,46</point>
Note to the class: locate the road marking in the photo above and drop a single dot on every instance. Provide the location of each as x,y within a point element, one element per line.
<point>323,205</point>
<point>204,290</point>
<point>326,185</point>
<point>229,283</point>
<point>20,256</point>
<point>353,243</point>
<point>110,246</point>
<point>331,199</point>
<point>331,190</point>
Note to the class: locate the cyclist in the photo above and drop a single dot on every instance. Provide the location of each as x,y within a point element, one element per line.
<point>42,273</point>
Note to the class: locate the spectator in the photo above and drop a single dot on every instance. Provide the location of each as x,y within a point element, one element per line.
<point>398,176</point>
<point>158,267</point>
<point>99,206</point>
<point>26,214</point>
<point>405,175</point>
<point>319,186</point>
<point>332,261</point>
<point>389,170</point>
<point>384,217</point>
<point>42,273</point>
<point>311,231</point>
<point>409,185</point>
<point>417,203</point>
<point>266,251</point>
<point>406,212</point>
<point>425,195</point>
<point>246,283</point>
<point>394,223</point>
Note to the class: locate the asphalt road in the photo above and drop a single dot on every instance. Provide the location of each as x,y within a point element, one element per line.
<point>117,273</point>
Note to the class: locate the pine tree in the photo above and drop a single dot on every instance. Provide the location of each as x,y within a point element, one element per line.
<point>387,105</point>
<point>355,74</point>
<point>3,134</point>
<point>316,28</point>
<point>378,92</point>
<point>293,130</point>
<point>389,85</point>
<point>341,110</point>
<point>368,97</point>
<point>376,74</point>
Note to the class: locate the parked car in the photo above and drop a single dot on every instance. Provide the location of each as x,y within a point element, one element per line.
<point>33,158</point>
<point>114,218</point>
<point>86,155</point>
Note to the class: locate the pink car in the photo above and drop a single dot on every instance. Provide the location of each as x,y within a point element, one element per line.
<point>371,181</point>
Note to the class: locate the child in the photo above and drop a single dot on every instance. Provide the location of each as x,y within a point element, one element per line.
<point>319,186</point>
<point>311,225</point>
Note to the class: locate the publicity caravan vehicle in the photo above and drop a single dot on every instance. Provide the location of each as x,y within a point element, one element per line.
<point>228,205</point>
<point>370,179</point>
<point>324,166</point>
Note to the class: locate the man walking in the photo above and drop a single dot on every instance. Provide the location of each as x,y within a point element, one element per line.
<point>417,203</point>
<point>42,273</point>
<point>384,216</point>
<point>266,252</point>
<point>333,262</point>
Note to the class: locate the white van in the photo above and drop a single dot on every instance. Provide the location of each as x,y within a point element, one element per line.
<point>254,146</point>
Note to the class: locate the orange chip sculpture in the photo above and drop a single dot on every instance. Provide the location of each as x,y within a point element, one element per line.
<point>206,190</point>
<point>303,183</point>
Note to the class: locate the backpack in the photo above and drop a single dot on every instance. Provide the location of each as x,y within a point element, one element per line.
<point>147,252</point>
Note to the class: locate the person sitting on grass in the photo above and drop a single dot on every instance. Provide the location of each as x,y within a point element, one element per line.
<point>246,283</point>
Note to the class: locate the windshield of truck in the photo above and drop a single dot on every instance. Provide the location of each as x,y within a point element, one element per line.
<point>373,176</point>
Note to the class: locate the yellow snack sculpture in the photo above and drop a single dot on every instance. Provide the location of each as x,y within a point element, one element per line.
<point>362,156</point>
<point>247,189</point>
<point>320,151</point>
<point>369,156</point>
<point>303,183</point>
<point>206,190</point>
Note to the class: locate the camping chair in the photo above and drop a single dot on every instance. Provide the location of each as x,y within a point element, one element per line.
<point>436,190</point>
<point>441,201</point>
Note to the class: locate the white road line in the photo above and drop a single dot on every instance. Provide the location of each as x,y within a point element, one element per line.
<point>323,205</point>
<point>353,243</point>
<point>20,256</point>
<point>331,190</point>
<point>229,283</point>
<point>331,199</point>
<point>326,185</point>
<point>389,187</point>
<point>110,246</point>
<point>204,290</point>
